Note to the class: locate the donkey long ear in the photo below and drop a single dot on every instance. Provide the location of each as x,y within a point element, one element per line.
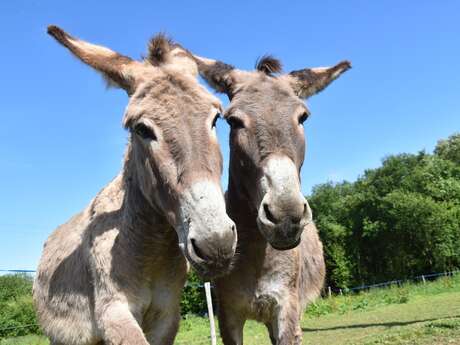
<point>220,76</point>
<point>115,68</point>
<point>309,81</point>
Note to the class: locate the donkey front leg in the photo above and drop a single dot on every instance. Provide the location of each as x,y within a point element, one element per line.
<point>118,325</point>
<point>231,326</point>
<point>285,327</point>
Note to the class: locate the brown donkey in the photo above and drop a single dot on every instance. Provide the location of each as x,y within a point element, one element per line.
<point>274,277</point>
<point>113,273</point>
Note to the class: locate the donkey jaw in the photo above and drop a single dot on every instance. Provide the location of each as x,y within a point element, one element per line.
<point>282,236</point>
<point>206,267</point>
<point>209,268</point>
<point>287,247</point>
<point>207,234</point>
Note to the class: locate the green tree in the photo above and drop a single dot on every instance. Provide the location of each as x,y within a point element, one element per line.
<point>449,149</point>
<point>396,221</point>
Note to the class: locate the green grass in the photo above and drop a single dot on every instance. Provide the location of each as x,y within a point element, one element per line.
<point>398,322</point>
<point>414,314</point>
<point>25,340</point>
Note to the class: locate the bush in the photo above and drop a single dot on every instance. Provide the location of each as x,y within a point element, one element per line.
<point>193,300</point>
<point>13,286</point>
<point>18,318</point>
<point>17,313</point>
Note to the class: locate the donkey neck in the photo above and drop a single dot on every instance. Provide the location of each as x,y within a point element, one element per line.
<point>240,209</point>
<point>252,246</point>
<point>143,223</point>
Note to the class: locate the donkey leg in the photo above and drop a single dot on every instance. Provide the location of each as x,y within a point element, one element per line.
<point>119,327</point>
<point>286,326</point>
<point>231,326</point>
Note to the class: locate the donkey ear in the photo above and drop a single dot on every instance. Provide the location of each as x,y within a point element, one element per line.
<point>115,68</point>
<point>309,81</point>
<point>220,76</point>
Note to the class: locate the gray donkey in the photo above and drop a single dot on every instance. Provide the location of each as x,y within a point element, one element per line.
<point>114,272</point>
<point>280,265</point>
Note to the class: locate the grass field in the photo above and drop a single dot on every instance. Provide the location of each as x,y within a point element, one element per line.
<point>408,315</point>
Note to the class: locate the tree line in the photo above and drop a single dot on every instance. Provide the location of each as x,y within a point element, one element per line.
<point>399,220</point>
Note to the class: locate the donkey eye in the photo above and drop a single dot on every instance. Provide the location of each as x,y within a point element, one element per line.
<point>303,118</point>
<point>235,122</point>
<point>144,132</point>
<point>215,120</point>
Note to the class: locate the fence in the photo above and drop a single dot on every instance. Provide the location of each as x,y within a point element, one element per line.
<point>207,286</point>
<point>423,278</point>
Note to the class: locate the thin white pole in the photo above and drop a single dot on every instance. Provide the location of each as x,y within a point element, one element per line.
<point>207,288</point>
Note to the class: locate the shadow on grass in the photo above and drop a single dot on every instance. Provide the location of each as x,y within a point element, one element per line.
<point>382,324</point>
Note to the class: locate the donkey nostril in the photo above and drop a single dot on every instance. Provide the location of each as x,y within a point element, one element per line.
<point>268,214</point>
<point>197,250</point>
<point>233,228</point>
<point>307,212</point>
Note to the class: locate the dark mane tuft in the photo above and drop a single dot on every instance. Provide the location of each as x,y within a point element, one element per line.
<point>268,64</point>
<point>159,47</point>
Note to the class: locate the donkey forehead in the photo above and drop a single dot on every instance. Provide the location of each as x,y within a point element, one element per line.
<point>266,97</point>
<point>170,96</point>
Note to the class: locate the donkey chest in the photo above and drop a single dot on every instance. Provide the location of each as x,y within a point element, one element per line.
<point>167,281</point>
<point>156,280</point>
<point>272,287</point>
<point>164,295</point>
<point>158,295</point>
<point>267,295</point>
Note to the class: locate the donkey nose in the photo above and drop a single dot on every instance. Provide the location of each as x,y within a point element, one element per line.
<point>294,213</point>
<point>218,246</point>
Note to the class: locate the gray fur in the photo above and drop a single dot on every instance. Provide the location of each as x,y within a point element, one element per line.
<point>113,273</point>
<point>267,147</point>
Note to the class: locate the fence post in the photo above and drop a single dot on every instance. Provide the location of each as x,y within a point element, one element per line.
<point>423,279</point>
<point>341,293</point>
<point>329,291</point>
<point>207,289</point>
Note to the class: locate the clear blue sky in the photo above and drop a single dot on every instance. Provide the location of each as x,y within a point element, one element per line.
<point>61,138</point>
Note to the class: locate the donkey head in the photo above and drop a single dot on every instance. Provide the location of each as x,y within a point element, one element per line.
<point>173,157</point>
<point>267,140</point>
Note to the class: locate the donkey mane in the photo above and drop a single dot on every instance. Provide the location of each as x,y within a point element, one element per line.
<point>159,47</point>
<point>268,64</point>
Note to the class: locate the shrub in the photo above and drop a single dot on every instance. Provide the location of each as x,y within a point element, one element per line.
<point>13,286</point>
<point>193,300</point>
<point>17,313</point>
<point>18,318</point>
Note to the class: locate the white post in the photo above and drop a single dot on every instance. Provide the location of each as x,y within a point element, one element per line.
<point>423,279</point>
<point>207,288</point>
<point>329,291</point>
